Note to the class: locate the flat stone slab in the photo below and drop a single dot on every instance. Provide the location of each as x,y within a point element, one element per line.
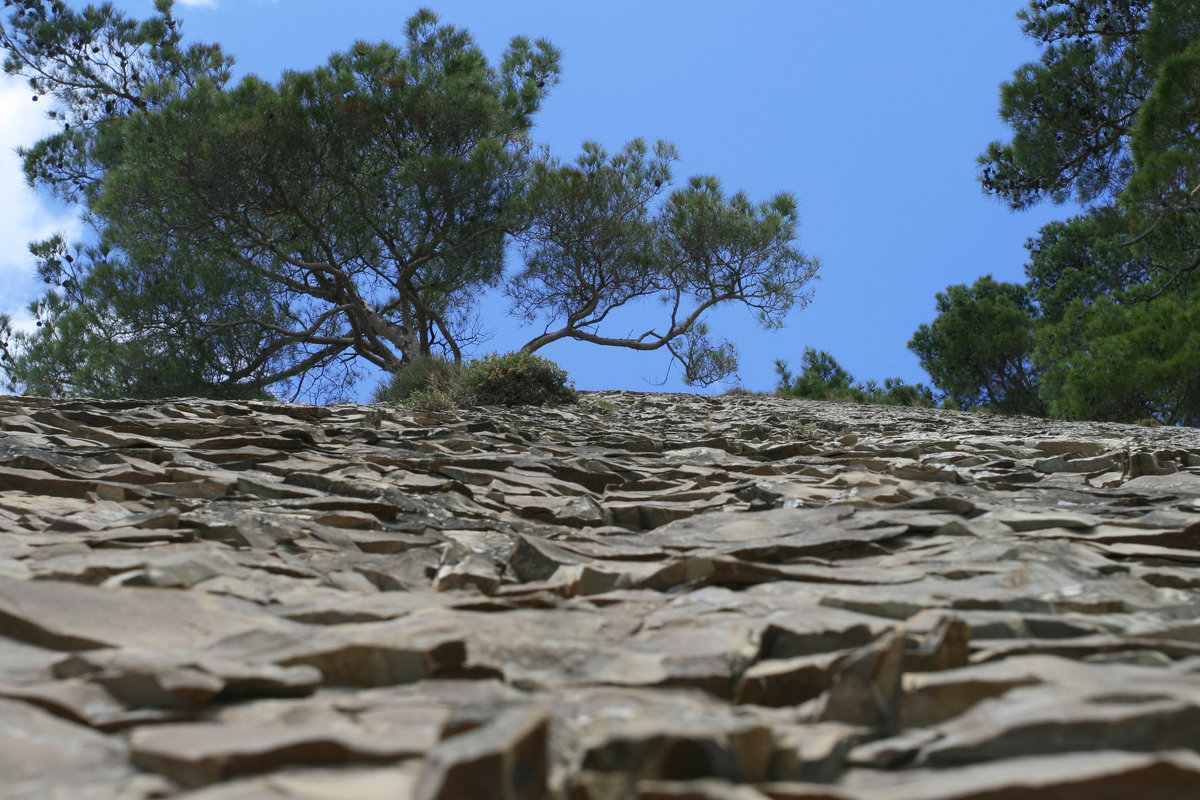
<point>642,595</point>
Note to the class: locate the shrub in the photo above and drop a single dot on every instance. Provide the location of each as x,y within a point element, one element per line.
<point>514,379</point>
<point>894,392</point>
<point>824,379</point>
<point>430,401</point>
<point>427,383</point>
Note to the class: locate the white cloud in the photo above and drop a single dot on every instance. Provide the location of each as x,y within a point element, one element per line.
<point>199,3</point>
<point>27,216</point>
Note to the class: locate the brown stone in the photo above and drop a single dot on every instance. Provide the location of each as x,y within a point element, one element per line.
<point>865,688</point>
<point>1100,774</point>
<point>505,759</point>
<point>946,646</point>
<point>69,616</point>
<point>328,783</point>
<point>813,753</point>
<point>640,595</point>
<point>42,755</point>
<point>788,681</point>
<point>197,754</point>
<point>704,789</point>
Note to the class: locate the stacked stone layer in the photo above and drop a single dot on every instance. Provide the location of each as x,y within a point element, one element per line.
<point>642,596</point>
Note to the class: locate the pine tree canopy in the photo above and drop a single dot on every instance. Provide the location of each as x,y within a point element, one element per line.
<point>250,234</point>
<point>1109,118</point>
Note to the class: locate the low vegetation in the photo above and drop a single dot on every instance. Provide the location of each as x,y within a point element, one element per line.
<point>823,378</point>
<point>508,379</point>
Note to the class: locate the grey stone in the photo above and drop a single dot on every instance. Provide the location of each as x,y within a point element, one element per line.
<point>657,596</point>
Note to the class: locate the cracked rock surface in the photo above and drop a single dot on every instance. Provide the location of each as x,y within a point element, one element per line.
<point>641,596</point>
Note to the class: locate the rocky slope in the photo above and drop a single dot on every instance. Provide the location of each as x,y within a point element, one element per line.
<point>642,596</point>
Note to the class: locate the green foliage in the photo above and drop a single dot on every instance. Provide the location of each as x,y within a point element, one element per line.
<point>602,236</point>
<point>1110,116</point>
<point>1083,259</point>
<point>429,378</point>
<point>896,392</point>
<point>823,378</point>
<point>430,400</point>
<point>514,379</point>
<point>102,330</point>
<point>276,234</point>
<point>1116,339</point>
<point>519,378</point>
<point>1072,113</point>
<point>1106,325</point>
<point>1162,198</point>
<point>351,212</point>
<point>1124,363</point>
<point>109,325</point>
<point>978,348</point>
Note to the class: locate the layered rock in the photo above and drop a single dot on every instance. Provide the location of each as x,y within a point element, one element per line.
<point>642,596</point>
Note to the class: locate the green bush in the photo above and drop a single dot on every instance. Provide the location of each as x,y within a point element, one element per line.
<point>514,379</point>
<point>430,401</point>
<point>426,383</point>
<point>823,378</point>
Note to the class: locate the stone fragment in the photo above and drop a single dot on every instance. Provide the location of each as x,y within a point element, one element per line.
<point>1185,484</point>
<point>583,579</point>
<point>788,681</point>
<point>933,697</point>
<point>179,679</point>
<point>778,534</point>
<point>1040,720</point>
<point>68,616</point>
<point>1038,521</point>
<point>167,565</point>
<point>201,753</point>
<point>1143,463</point>
<point>22,663</point>
<point>535,559</point>
<point>42,755</point>
<point>813,753</point>
<point>467,570</point>
<point>811,631</point>
<point>804,791</point>
<point>893,752</point>
<point>377,657</point>
<point>90,704</point>
<point>865,688</point>
<point>506,759</point>
<point>689,596</point>
<point>329,783</point>
<point>704,789</point>
<point>1066,447</point>
<point>676,736</point>
<point>1100,774</point>
<point>946,646</point>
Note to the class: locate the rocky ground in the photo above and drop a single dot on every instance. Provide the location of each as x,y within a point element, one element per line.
<point>642,596</point>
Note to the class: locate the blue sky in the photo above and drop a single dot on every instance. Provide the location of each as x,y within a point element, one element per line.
<point>870,112</point>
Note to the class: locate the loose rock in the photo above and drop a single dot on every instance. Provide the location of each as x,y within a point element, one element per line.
<point>650,596</point>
